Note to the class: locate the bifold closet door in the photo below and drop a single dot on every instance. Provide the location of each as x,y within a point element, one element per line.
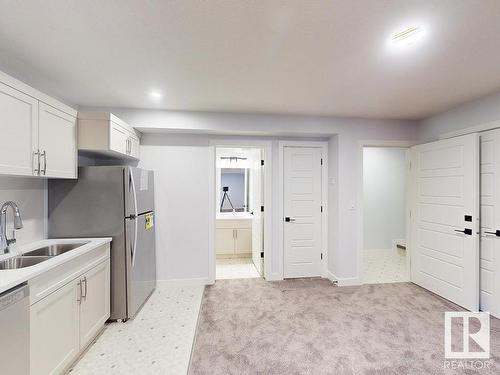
<point>444,224</point>
<point>490,222</point>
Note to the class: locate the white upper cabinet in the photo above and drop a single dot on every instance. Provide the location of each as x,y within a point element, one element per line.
<point>104,133</point>
<point>57,142</point>
<point>18,132</point>
<point>37,133</point>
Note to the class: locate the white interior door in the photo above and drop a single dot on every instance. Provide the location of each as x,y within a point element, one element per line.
<point>256,202</point>
<point>490,223</point>
<point>446,201</point>
<point>302,211</point>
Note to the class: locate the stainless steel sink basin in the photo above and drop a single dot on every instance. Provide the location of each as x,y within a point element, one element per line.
<point>53,250</point>
<point>21,262</point>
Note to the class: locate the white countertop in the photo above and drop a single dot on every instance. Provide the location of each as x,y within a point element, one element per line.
<point>234,216</point>
<point>12,278</point>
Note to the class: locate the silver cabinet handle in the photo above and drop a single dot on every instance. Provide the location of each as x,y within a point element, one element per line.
<point>44,170</point>
<point>80,295</point>
<point>85,289</point>
<point>36,154</point>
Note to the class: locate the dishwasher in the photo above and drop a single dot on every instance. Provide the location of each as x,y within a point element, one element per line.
<point>14,331</point>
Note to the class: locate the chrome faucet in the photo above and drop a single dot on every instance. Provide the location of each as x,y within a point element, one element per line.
<point>18,224</point>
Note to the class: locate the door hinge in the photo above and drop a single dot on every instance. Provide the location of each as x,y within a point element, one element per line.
<point>261,208</point>
<point>321,161</point>
<point>262,162</point>
<point>262,254</point>
<point>321,256</point>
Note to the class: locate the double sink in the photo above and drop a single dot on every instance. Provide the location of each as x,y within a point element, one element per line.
<point>39,255</point>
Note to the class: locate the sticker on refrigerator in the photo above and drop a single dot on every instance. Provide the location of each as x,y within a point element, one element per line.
<point>149,221</point>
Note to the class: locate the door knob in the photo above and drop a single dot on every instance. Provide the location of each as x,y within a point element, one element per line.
<point>466,231</point>
<point>289,219</point>
<point>497,233</point>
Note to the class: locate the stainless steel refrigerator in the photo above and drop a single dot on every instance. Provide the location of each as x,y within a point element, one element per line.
<point>116,202</point>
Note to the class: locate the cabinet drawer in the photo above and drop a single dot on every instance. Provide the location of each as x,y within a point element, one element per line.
<point>59,276</point>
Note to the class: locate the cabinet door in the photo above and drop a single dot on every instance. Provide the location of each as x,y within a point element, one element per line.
<point>118,139</point>
<point>94,309</point>
<point>57,143</point>
<point>224,241</point>
<point>18,132</point>
<point>54,331</point>
<point>134,147</point>
<point>243,241</point>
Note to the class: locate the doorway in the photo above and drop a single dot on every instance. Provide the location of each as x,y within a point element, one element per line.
<point>239,224</point>
<point>385,182</point>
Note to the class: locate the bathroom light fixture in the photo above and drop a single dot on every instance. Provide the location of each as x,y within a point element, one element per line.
<point>155,95</point>
<point>407,35</point>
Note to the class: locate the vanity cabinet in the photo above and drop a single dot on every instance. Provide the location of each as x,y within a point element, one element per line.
<point>105,134</point>
<point>38,133</point>
<point>69,306</point>
<point>233,238</point>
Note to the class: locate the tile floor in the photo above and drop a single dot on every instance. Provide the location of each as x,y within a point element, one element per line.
<point>237,268</point>
<point>384,266</point>
<point>157,341</point>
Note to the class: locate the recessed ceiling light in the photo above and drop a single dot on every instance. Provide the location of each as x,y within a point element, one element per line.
<point>155,95</point>
<point>407,35</point>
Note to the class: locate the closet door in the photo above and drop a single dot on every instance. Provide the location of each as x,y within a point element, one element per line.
<point>444,240</point>
<point>490,223</point>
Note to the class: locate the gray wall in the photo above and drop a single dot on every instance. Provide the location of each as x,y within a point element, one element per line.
<point>477,112</point>
<point>30,194</point>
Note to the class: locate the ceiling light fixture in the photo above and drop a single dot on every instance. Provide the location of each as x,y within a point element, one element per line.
<point>407,36</point>
<point>155,95</point>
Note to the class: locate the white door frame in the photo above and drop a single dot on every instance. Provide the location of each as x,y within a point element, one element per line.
<point>360,211</point>
<point>324,199</point>
<point>268,233</point>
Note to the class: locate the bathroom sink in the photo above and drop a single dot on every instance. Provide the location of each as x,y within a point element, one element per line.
<point>53,250</point>
<point>21,262</point>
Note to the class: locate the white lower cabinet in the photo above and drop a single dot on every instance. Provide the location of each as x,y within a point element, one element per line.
<point>65,321</point>
<point>54,330</point>
<point>94,307</point>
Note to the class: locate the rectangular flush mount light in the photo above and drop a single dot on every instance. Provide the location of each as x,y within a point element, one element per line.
<point>408,35</point>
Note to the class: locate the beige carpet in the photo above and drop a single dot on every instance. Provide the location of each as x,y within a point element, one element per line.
<point>250,326</point>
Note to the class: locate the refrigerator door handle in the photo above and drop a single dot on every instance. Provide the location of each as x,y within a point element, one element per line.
<point>132,183</point>
<point>135,241</point>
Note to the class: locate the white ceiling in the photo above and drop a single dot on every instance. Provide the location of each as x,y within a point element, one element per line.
<point>294,56</point>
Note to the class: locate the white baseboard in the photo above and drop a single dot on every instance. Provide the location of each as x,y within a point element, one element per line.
<point>344,281</point>
<point>183,282</point>
<point>274,277</point>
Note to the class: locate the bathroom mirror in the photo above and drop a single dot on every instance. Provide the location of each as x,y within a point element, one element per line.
<point>233,190</point>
